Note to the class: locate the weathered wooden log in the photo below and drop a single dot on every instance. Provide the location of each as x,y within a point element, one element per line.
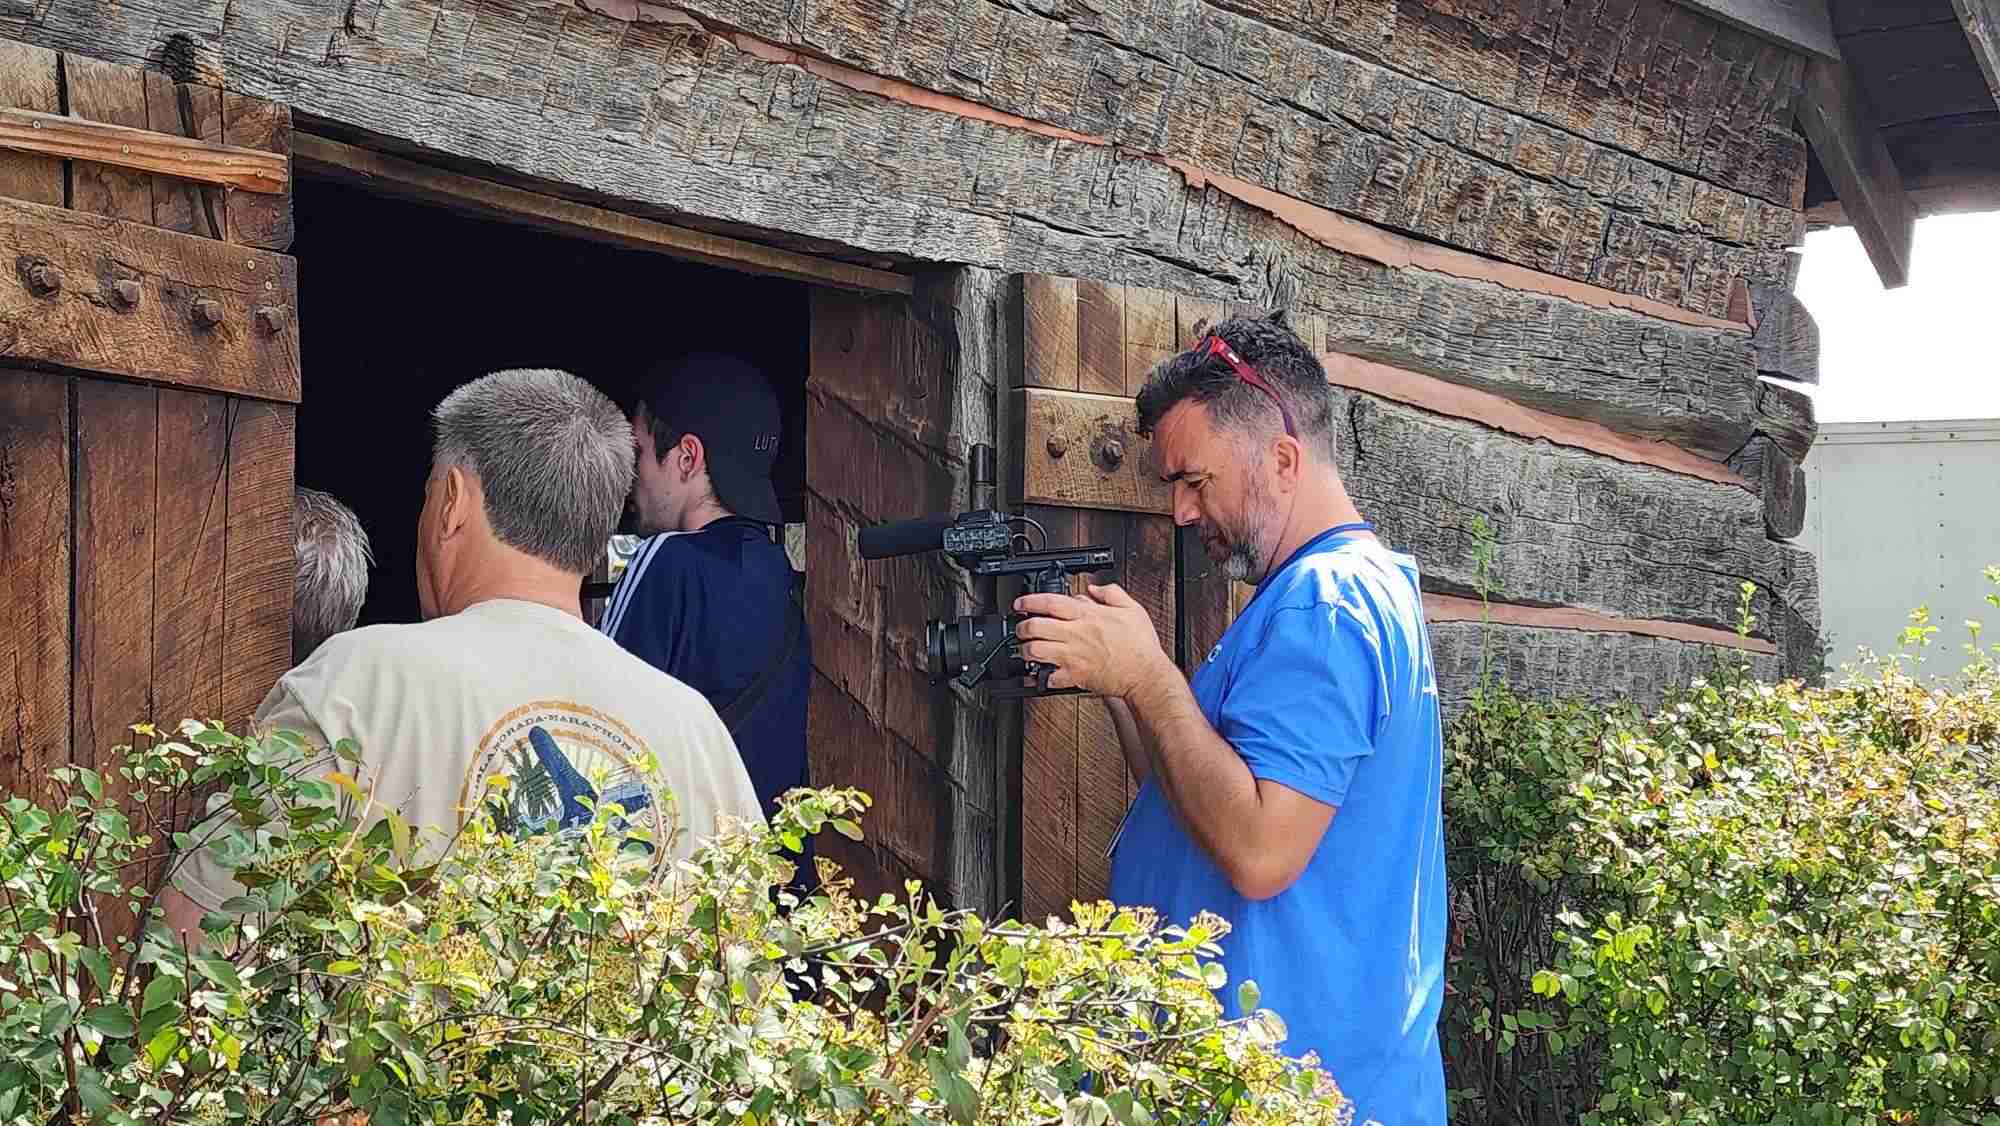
<point>1732,124</point>
<point>1785,415</point>
<point>1787,339</point>
<point>1796,607</point>
<point>1778,480</point>
<point>1603,667</point>
<point>1417,157</point>
<point>1319,124</point>
<point>1571,528</point>
<point>1692,387</point>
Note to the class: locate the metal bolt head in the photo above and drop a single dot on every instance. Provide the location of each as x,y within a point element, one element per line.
<point>208,312</point>
<point>1113,452</point>
<point>128,292</point>
<point>42,278</point>
<point>272,318</point>
<point>1058,446</point>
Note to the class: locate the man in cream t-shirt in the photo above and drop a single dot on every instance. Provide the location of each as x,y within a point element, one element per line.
<point>504,677</point>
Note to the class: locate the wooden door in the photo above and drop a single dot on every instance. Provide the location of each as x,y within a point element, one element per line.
<point>146,413</point>
<point>1082,472</point>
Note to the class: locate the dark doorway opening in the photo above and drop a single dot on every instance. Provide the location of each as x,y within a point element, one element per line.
<point>401,302</point>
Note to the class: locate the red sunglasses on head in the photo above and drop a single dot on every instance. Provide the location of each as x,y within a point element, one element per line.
<point>1212,345</point>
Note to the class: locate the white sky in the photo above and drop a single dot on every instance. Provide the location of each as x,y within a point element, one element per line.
<point>1930,350</point>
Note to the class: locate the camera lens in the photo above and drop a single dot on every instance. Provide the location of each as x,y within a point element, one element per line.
<point>953,647</point>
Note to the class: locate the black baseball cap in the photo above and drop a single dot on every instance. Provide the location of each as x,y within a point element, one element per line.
<point>728,404</point>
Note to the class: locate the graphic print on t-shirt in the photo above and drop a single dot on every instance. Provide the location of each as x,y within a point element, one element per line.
<point>557,755</point>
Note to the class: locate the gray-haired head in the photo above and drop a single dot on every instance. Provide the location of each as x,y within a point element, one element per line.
<point>331,581</point>
<point>553,457</point>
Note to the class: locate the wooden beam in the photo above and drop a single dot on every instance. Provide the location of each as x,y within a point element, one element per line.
<point>1981,19</point>
<point>1837,122</point>
<point>185,158</point>
<point>1080,450</point>
<point>491,200</point>
<point>92,293</point>
<point>1803,25</point>
<point>1955,196</point>
<point>1453,608</point>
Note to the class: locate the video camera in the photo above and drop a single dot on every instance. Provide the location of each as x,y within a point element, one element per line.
<point>973,648</point>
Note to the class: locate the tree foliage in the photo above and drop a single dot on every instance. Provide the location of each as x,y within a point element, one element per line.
<point>569,979</point>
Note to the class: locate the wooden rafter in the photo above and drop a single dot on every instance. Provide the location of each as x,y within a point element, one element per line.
<point>1803,25</point>
<point>1842,131</point>
<point>187,158</point>
<point>491,200</point>
<point>1981,19</point>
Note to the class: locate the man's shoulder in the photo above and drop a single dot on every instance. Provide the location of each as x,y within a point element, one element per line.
<point>1351,573</point>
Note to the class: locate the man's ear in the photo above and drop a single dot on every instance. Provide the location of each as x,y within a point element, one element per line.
<point>461,494</point>
<point>1290,459</point>
<point>689,456</point>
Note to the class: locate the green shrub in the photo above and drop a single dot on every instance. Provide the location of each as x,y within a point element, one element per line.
<point>546,980</point>
<point>1763,903</point>
<point>1513,865</point>
<point>1801,917</point>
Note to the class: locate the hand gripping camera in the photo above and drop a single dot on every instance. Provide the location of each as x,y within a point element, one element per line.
<point>984,542</point>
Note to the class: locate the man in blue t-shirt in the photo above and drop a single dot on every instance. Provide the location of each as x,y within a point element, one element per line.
<point>1293,787</point>
<point>710,598</point>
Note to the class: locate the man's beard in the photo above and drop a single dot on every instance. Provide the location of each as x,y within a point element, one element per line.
<point>1237,550</point>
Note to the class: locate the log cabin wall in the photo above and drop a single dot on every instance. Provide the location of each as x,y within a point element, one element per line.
<point>1531,238</point>
<point>146,416</point>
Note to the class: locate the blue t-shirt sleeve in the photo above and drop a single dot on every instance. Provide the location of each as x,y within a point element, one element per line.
<point>1303,707</point>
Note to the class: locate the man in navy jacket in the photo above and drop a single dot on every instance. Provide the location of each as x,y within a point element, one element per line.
<point>710,598</point>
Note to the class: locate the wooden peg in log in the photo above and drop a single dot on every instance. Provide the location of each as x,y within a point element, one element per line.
<point>1779,481</point>
<point>1787,339</point>
<point>1785,415</point>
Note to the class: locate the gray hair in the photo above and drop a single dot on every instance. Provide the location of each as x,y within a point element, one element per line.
<point>331,580</point>
<point>552,454</point>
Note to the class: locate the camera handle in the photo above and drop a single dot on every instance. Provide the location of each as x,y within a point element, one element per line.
<point>1053,579</point>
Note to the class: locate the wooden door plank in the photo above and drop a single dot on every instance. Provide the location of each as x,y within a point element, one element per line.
<point>30,79</point>
<point>1150,334</point>
<point>1207,600</point>
<point>253,123</point>
<point>1150,573</point>
<point>1194,316</point>
<point>189,556</point>
<point>1048,330</point>
<point>35,438</point>
<point>1048,776</point>
<point>128,299</point>
<point>258,570</point>
<point>114,95</point>
<point>1100,337</point>
<point>117,435</point>
<point>1844,136</point>
<point>1100,764</point>
<point>186,109</point>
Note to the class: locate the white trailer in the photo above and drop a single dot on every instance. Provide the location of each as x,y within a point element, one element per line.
<point>1902,515</point>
